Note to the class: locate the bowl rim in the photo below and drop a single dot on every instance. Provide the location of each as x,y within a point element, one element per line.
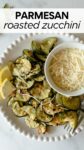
<point>55,50</point>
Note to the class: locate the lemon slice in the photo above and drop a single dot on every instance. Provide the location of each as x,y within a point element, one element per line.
<point>6,89</point>
<point>5,73</point>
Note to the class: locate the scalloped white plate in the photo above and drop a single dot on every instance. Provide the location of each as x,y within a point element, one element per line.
<point>11,53</point>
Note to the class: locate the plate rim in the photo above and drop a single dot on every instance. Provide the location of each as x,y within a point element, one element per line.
<point>9,121</point>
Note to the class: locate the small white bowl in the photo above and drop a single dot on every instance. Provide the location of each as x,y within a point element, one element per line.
<point>47,63</point>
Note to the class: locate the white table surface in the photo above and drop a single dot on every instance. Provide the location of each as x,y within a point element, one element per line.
<point>9,138</point>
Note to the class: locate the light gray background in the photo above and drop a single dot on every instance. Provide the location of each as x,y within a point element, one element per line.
<point>9,138</point>
<point>45,3</point>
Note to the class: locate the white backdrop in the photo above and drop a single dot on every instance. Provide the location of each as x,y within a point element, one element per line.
<point>45,3</point>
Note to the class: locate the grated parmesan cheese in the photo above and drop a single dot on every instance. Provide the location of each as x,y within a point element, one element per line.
<point>67,69</point>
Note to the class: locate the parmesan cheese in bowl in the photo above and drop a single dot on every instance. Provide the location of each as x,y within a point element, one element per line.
<point>64,69</point>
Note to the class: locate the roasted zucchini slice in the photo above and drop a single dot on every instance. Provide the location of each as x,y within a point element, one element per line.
<point>72,118</point>
<point>59,99</point>
<point>11,101</point>
<point>47,44</point>
<point>23,67</point>
<point>7,6</point>
<point>44,46</point>
<point>72,103</point>
<point>40,91</point>
<point>36,45</point>
<point>40,56</point>
<point>33,102</point>
<point>31,123</point>
<point>51,108</point>
<point>30,83</point>
<point>17,110</point>
<point>29,54</point>
<point>48,106</point>
<point>46,85</point>
<point>19,59</point>
<point>42,116</point>
<point>65,117</point>
<point>22,97</point>
<point>15,72</point>
<point>40,78</point>
<point>26,66</point>
<point>23,84</point>
<point>34,71</point>
<point>30,111</point>
<point>20,83</point>
<point>41,129</point>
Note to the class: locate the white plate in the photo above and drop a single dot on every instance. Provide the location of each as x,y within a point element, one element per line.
<point>11,53</point>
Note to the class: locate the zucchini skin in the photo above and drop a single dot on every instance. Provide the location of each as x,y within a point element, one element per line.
<point>72,103</point>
